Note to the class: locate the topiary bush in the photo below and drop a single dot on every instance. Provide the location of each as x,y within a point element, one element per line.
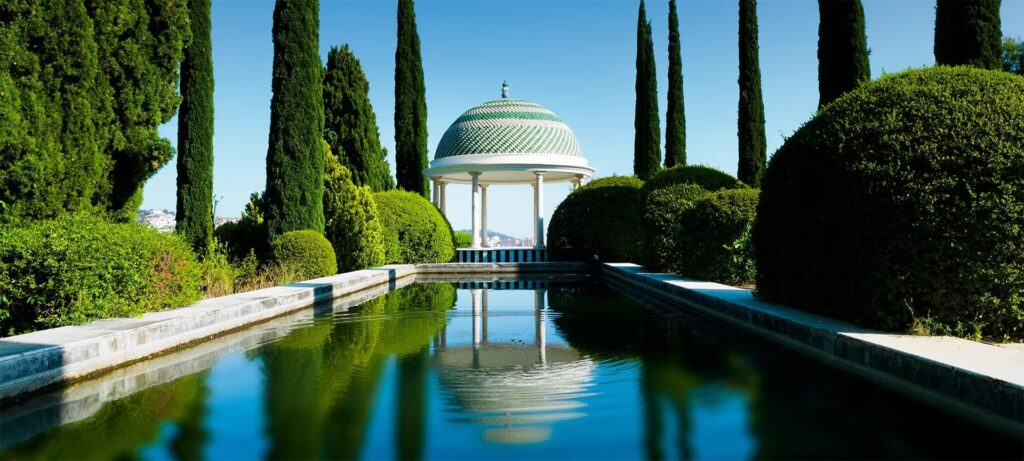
<point>414,229</point>
<point>665,197</point>
<point>82,267</point>
<point>714,238</point>
<point>353,225</point>
<point>600,219</point>
<point>901,206</point>
<point>307,252</point>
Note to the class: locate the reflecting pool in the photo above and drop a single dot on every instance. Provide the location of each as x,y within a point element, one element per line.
<point>542,368</point>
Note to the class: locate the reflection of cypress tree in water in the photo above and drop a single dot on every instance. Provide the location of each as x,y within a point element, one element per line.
<point>294,392</point>
<point>412,404</point>
<point>120,428</point>
<point>191,437</point>
<point>322,379</point>
<point>674,359</point>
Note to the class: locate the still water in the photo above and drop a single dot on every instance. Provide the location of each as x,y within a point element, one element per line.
<point>535,369</point>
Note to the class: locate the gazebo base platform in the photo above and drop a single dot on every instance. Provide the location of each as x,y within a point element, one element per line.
<point>501,255</point>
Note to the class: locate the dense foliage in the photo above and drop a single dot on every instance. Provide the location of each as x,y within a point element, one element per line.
<point>463,239</point>
<point>1013,55</point>
<point>752,143</point>
<point>901,206</point>
<point>83,87</point>
<point>646,122</point>
<point>968,32</point>
<point>410,105</point>
<point>307,252</point>
<point>295,156</point>
<point>81,267</point>
<point>665,197</point>
<point>350,126</point>
<point>353,225</point>
<point>842,49</point>
<point>248,234</point>
<point>675,118</point>
<point>600,219</point>
<point>713,238</point>
<point>194,212</point>
<point>414,229</point>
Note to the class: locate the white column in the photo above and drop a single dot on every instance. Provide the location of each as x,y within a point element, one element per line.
<point>539,338</point>
<point>534,186</point>
<point>486,242</point>
<point>436,196</point>
<point>538,207</point>
<point>475,209</point>
<point>444,205</point>
<point>577,182</point>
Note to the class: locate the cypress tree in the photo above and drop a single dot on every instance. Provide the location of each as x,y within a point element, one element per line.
<point>295,157</point>
<point>350,126</point>
<point>675,123</point>
<point>968,32</point>
<point>842,49</point>
<point>752,144</point>
<point>194,213</point>
<point>647,125</point>
<point>410,105</point>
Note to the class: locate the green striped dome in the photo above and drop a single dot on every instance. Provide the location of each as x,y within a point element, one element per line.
<point>508,127</point>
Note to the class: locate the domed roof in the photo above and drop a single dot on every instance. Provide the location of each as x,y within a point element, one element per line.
<point>508,127</point>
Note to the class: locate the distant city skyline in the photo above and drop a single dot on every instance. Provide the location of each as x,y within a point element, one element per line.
<point>574,57</point>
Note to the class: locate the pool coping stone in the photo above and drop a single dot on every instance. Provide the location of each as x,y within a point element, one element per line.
<point>985,379</point>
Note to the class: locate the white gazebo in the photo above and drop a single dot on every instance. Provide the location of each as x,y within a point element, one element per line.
<point>505,141</point>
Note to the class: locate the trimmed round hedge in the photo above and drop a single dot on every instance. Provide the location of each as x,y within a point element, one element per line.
<point>83,267</point>
<point>600,219</point>
<point>714,235</point>
<point>307,252</point>
<point>901,206</point>
<point>665,197</point>
<point>414,229</point>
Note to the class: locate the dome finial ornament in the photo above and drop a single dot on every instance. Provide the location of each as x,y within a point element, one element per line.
<point>504,89</point>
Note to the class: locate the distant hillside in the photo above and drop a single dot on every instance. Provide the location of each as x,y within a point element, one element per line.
<point>163,220</point>
<point>499,239</point>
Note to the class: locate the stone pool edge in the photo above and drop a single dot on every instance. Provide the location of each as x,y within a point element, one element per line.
<point>982,379</point>
<point>37,361</point>
<point>59,356</point>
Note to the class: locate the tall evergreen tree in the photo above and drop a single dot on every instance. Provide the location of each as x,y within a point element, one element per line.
<point>295,157</point>
<point>350,126</point>
<point>410,105</point>
<point>968,32</point>
<point>647,124</point>
<point>842,49</point>
<point>752,144</point>
<point>675,123</point>
<point>194,213</point>
<point>85,85</point>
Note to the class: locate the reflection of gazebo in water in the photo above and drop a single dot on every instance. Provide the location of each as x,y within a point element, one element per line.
<point>506,141</point>
<point>515,388</point>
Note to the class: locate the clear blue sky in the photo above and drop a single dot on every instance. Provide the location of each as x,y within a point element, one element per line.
<point>574,56</point>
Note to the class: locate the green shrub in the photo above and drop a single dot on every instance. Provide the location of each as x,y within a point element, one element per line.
<point>82,267</point>
<point>666,196</point>
<point>600,219</point>
<point>901,206</point>
<point>713,238</point>
<point>352,224</point>
<point>414,229</point>
<point>307,252</point>
<point>248,235</point>
<point>463,239</point>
